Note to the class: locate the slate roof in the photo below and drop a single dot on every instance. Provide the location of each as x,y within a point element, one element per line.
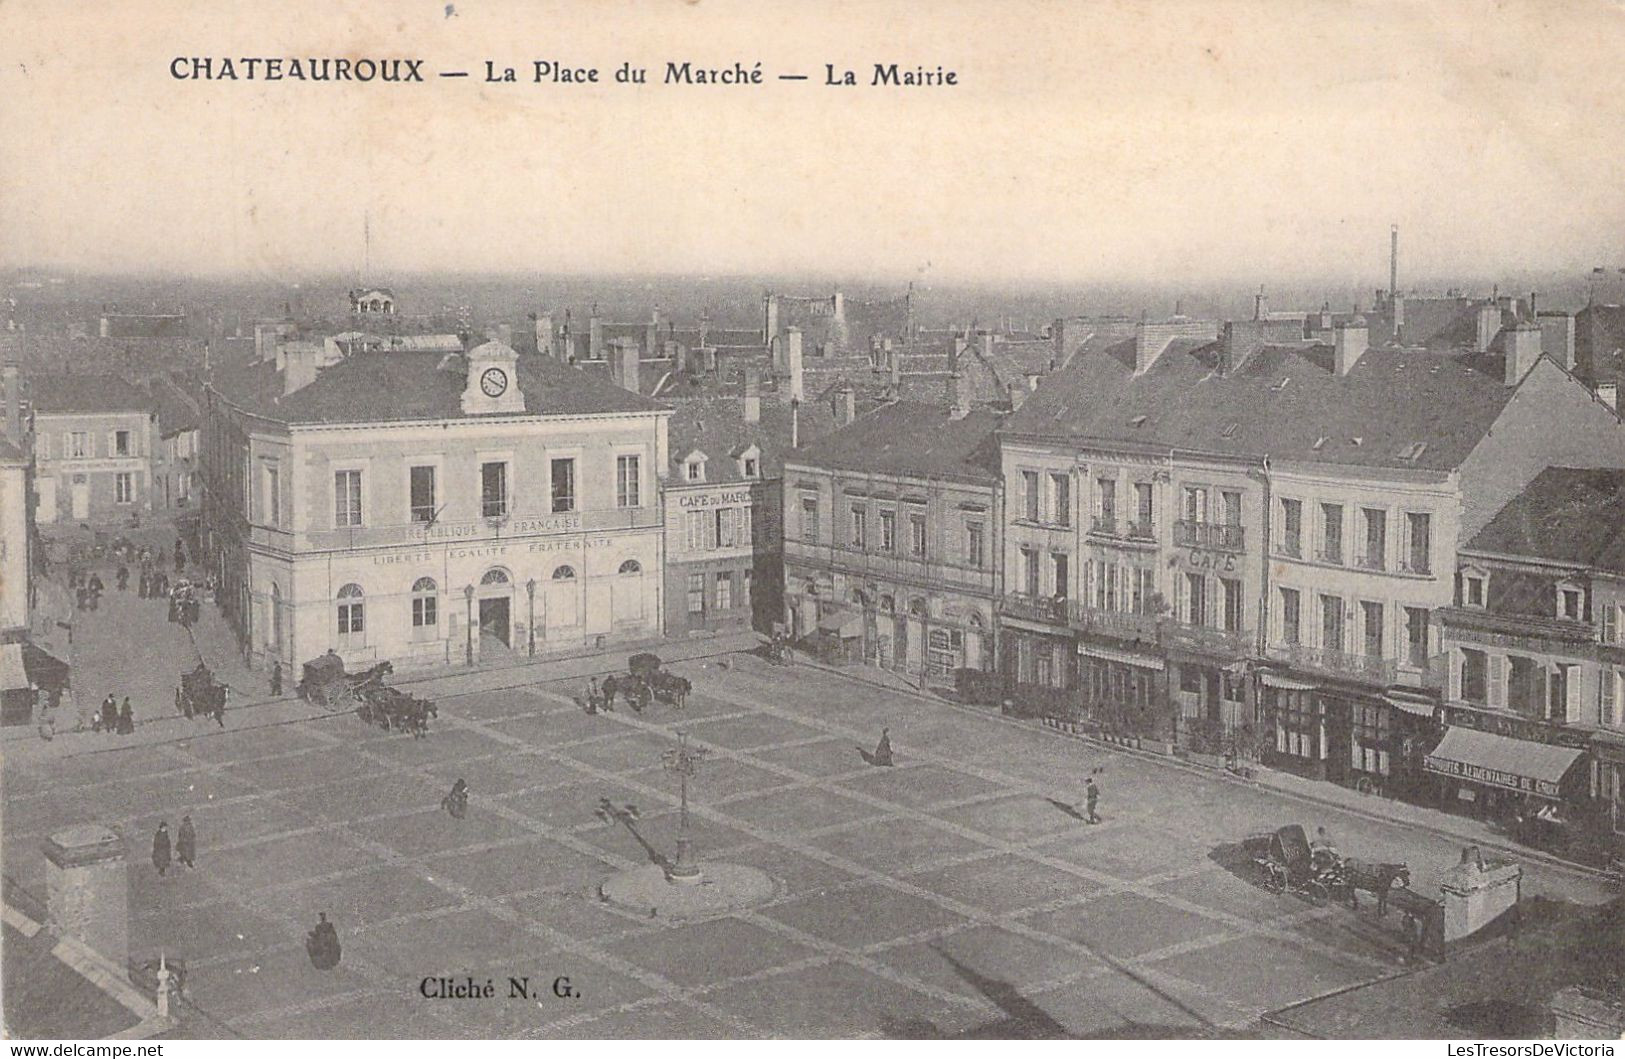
<point>403,387</point>
<point>1599,344</point>
<point>1567,515</point>
<point>716,426</point>
<point>64,394</point>
<point>9,452</point>
<point>1280,403</point>
<point>913,439</point>
<point>176,412</point>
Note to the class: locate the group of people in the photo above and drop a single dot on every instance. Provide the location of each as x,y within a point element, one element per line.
<point>114,718</point>
<point>87,590</point>
<point>185,845</point>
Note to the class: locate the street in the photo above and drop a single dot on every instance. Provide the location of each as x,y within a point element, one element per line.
<point>958,892</point>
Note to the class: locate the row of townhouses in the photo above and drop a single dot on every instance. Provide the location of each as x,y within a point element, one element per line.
<point>1278,538</point>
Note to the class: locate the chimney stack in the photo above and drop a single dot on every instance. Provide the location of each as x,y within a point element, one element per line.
<point>595,336</point>
<point>1522,350</point>
<point>1018,394</point>
<point>1608,394</point>
<point>753,394</point>
<point>845,404</point>
<point>1349,342</point>
<point>624,363</point>
<point>958,397</point>
<point>300,362</point>
<point>1393,266</point>
<point>1489,325</point>
<point>791,390</point>
<point>14,402</point>
<point>987,343</point>
<point>705,326</point>
<point>1557,337</point>
<point>544,334</point>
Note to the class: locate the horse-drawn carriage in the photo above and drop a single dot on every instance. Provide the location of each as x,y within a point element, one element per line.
<point>395,710</point>
<point>644,682</point>
<point>1291,865</point>
<point>326,684</point>
<point>199,694</point>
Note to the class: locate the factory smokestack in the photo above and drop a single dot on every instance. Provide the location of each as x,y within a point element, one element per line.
<point>1393,263</point>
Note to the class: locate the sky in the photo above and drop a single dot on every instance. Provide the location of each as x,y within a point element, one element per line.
<point>1085,142</point>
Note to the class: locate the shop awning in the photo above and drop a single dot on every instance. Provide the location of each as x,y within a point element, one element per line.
<point>1420,705</point>
<point>1499,761</point>
<point>13,677</point>
<point>1278,680</point>
<point>843,623</point>
<point>1128,658</point>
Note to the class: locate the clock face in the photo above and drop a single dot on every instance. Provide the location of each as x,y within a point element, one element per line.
<point>493,382</point>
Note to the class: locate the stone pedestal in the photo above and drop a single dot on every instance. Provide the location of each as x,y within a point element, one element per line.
<point>1478,893</point>
<point>87,888</point>
<point>1579,1015</point>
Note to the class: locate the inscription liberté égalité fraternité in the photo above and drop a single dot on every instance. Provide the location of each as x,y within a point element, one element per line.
<point>549,72</point>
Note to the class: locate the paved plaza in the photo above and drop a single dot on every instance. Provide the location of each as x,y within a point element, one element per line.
<point>957,893</point>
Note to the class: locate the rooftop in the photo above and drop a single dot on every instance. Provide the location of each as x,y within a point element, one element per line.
<point>912,439</point>
<point>1567,515</point>
<point>70,394</point>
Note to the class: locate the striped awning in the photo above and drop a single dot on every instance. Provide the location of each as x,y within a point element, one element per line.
<point>1284,682</point>
<point>1128,658</point>
<point>1501,761</point>
<point>1420,705</point>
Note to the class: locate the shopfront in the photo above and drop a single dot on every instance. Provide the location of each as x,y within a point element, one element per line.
<point>1499,776</point>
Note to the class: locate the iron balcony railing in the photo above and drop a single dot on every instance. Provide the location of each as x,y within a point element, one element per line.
<point>1142,531</point>
<point>1370,668</point>
<point>1122,624</point>
<point>1035,608</point>
<point>1233,644</point>
<point>1106,524</point>
<point>1216,535</point>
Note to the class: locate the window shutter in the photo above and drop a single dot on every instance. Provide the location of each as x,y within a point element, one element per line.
<point>1610,624</point>
<point>1605,695</point>
<point>1497,680</point>
<point>1457,660</point>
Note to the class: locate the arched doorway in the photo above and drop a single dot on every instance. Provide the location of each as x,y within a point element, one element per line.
<point>496,608</point>
<point>563,601</point>
<point>914,646</point>
<point>975,648</point>
<point>626,593</point>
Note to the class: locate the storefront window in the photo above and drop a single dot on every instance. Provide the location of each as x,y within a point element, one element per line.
<point>1296,724</point>
<point>1369,747</point>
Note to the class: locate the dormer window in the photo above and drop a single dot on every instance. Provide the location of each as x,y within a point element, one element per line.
<point>751,468</point>
<point>1570,601</point>
<point>694,467</point>
<point>1473,587</point>
<point>749,460</point>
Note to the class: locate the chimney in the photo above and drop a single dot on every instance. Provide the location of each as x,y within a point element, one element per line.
<point>958,397</point>
<point>1258,304</point>
<point>987,343</point>
<point>624,363</point>
<point>1149,342</point>
<point>1608,394</point>
<point>791,390</point>
<point>1349,342</point>
<point>795,424</point>
<point>1017,393</point>
<point>595,336</point>
<point>651,334</point>
<point>705,326</point>
<point>770,318</point>
<point>1522,350</point>
<point>1489,325</point>
<point>300,361</point>
<point>722,361</point>
<point>14,402</point>
<point>845,404</point>
<point>753,394</point>
<point>1557,337</point>
<point>1393,266</point>
<point>839,304</point>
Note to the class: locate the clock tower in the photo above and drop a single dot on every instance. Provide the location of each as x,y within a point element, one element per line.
<point>493,381</point>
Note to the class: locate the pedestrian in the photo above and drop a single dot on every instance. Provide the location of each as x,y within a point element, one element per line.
<point>81,712</point>
<point>593,695</point>
<point>180,555</point>
<point>126,718</point>
<point>882,753</point>
<point>1091,795</point>
<point>160,848</point>
<point>186,842</point>
<point>109,722</point>
<point>123,577</point>
<point>218,708</point>
<point>144,584</point>
<point>322,943</point>
<point>276,679</point>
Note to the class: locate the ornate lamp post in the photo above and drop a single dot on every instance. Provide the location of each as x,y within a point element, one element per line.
<point>468,595</point>
<point>530,629</point>
<point>683,760</point>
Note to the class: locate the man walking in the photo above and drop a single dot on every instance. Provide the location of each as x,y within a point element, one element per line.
<point>109,722</point>
<point>160,848</point>
<point>186,842</point>
<point>1091,795</point>
<point>276,680</point>
<point>126,718</point>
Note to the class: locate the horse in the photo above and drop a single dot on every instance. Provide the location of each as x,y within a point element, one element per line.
<point>611,687</point>
<point>1374,878</point>
<point>418,711</point>
<point>672,688</point>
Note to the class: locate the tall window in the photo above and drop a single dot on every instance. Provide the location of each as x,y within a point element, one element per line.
<point>564,485</point>
<point>696,530</point>
<point>1569,603</point>
<point>1371,615</point>
<point>421,486</point>
<point>494,489</point>
<point>809,519</point>
<point>725,527</point>
<point>1062,574</point>
<point>1474,676</point>
<point>1029,495</point>
<point>121,442</point>
<point>78,444</point>
<point>888,531</point>
<point>725,586</point>
<point>696,593</point>
<point>124,487</point>
<point>1232,603</point>
<point>425,609</point>
<point>1195,504</point>
<point>1196,599</point>
<point>742,520</point>
<point>1230,508</point>
<point>744,588</point>
<point>273,495</point>
<point>1108,504</point>
<point>1331,623</point>
<point>1291,527</point>
<point>975,544</point>
<point>1143,510</point>
<point>1416,636</point>
<point>628,483</point>
<point>352,622</point>
<point>1029,571</point>
<point>860,527</point>
<point>1376,538</point>
<point>916,536</point>
<point>1419,526</point>
<point>1291,618</point>
<point>347,498</point>
<point>1472,590</point>
<point>1370,738</point>
<point>1061,491</point>
<point>1331,533</point>
<point>1144,588</point>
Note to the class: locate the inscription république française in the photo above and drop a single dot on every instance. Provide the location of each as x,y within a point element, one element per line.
<point>546,71</point>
